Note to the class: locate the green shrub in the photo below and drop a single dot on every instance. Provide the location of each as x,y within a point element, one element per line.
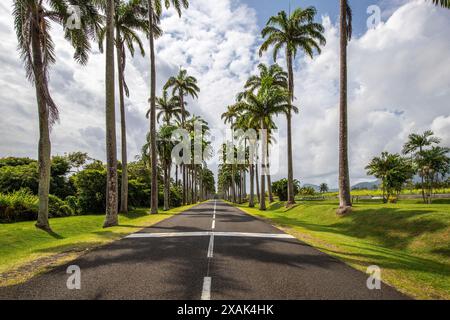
<point>138,194</point>
<point>280,187</point>
<point>307,191</point>
<point>19,205</point>
<point>14,178</point>
<point>22,205</point>
<point>58,208</point>
<point>91,190</point>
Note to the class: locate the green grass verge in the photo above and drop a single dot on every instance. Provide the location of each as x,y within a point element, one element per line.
<point>408,240</point>
<point>26,250</point>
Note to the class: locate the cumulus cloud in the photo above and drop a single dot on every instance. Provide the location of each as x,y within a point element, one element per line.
<point>399,82</point>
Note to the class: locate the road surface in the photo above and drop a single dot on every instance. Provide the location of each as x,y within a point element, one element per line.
<point>212,251</point>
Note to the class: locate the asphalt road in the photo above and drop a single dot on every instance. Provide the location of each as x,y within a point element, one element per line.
<point>212,251</point>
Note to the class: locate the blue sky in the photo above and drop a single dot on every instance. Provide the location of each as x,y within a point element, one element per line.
<point>267,8</point>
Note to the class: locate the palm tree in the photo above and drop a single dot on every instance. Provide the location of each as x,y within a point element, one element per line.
<point>344,178</point>
<point>260,109</point>
<point>297,31</point>
<point>183,85</point>
<point>415,147</point>
<point>129,18</point>
<point>154,12</point>
<point>111,218</point>
<point>442,3</point>
<point>32,24</point>
<point>323,187</point>
<point>432,163</point>
<point>165,144</point>
<point>169,108</point>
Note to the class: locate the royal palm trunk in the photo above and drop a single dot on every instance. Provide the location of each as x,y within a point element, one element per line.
<point>344,179</point>
<point>154,162</point>
<point>44,148</point>
<point>123,130</point>
<point>251,202</point>
<point>262,202</point>
<point>111,147</point>
<point>291,196</point>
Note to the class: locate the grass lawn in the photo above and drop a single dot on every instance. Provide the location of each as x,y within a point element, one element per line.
<point>26,250</point>
<point>410,241</point>
<point>380,192</point>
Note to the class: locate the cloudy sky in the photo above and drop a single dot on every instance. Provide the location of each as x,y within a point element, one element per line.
<point>399,82</point>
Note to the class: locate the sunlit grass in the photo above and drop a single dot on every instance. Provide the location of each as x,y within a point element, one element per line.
<point>410,241</point>
<point>21,243</point>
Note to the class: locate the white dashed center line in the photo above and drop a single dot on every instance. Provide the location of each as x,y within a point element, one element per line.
<point>206,292</point>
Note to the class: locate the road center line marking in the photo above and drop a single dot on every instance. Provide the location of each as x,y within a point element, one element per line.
<point>213,224</point>
<point>211,246</point>
<point>209,233</point>
<point>206,292</point>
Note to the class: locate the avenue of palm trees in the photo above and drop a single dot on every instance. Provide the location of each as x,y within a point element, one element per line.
<point>118,24</point>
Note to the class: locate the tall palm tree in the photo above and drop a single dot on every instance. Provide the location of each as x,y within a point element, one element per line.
<point>344,178</point>
<point>169,108</point>
<point>32,20</point>
<point>129,18</point>
<point>111,218</point>
<point>154,10</point>
<point>183,85</point>
<point>165,144</point>
<point>260,109</point>
<point>294,32</point>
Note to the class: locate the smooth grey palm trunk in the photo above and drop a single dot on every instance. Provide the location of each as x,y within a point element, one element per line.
<point>251,202</point>
<point>123,130</point>
<point>111,218</point>
<point>262,200</point>
<point>344,179</point>
<point>154,162</point>
<point>291,195</point>
<point>44,148</point>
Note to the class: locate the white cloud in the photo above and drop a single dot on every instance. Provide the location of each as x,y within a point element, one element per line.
<point>399,82</point>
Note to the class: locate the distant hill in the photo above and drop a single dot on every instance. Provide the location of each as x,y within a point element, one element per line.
<point>368,185</point>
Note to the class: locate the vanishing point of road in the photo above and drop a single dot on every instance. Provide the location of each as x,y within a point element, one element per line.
<point>211,251</point>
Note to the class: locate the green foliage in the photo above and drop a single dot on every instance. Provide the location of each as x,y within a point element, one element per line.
<point>280,187</point>
<point>22,205</point>
<point>14,161</point>
<point>91,189</point>
<point>393,170</point>
<point>307,191</point>
<point>18,206</point>
<point>18,176</point>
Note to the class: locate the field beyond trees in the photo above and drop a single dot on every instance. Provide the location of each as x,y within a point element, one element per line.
<point>408,240</point>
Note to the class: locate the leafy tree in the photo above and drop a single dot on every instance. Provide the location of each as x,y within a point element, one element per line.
<point>393,170</point>
<point>77,159</point>
<point>280,188</point>
<point>293,32</point>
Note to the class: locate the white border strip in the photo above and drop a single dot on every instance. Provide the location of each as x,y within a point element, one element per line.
<point>206,292</point>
